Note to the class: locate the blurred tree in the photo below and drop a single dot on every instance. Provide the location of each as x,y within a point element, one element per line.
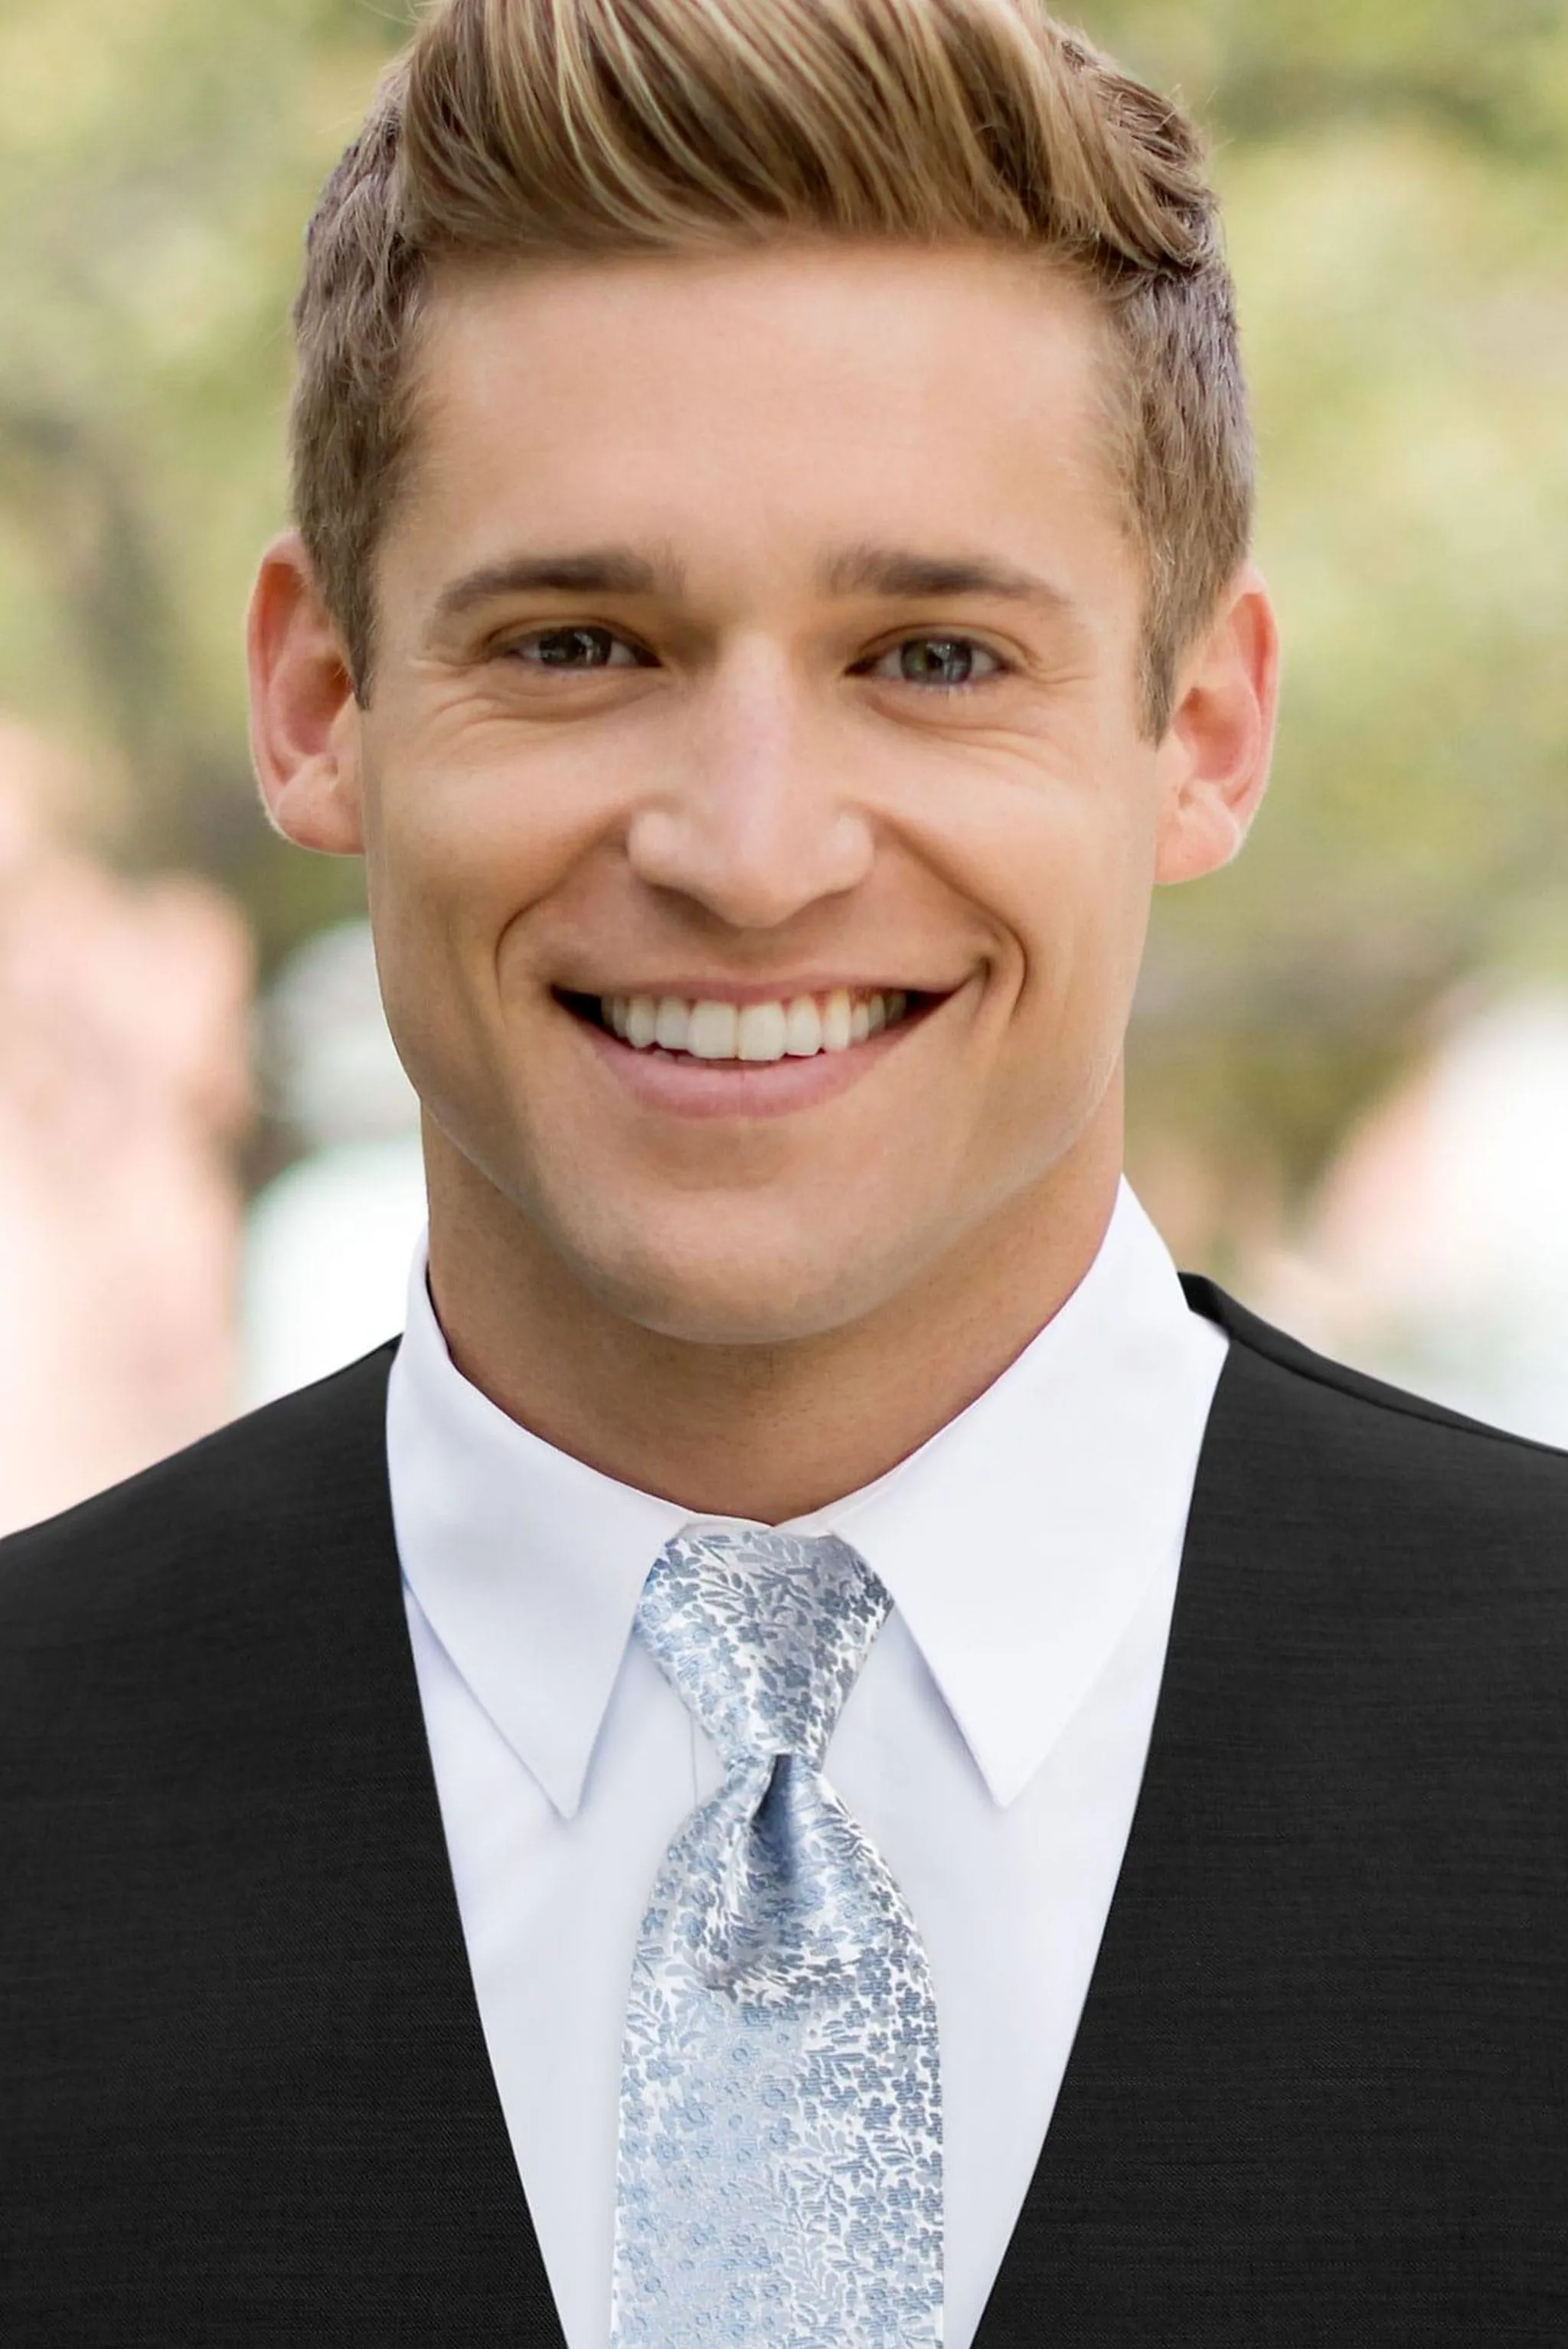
<point>1397,199</point>
<point>157,165</point>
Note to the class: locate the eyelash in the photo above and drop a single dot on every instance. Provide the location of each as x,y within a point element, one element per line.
<point>515,645</point>
<point>512,647</point>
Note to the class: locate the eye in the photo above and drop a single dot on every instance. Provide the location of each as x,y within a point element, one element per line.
<point>946,662</point>
<point>574,648</point>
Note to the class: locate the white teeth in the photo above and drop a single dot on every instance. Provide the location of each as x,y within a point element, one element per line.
<point>712,1029</point>
<point>641,1021</point>
<point>803,1029</point>
<point>761,1033</point>
<point>671,1025</point>
<point>837,1022</point>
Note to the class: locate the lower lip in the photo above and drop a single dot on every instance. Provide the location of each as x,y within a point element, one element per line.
<point>689,1087</point>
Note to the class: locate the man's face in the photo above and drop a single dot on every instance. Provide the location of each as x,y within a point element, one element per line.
<point>759,666</point>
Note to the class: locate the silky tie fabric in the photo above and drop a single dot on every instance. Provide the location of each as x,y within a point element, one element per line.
<point>779,2180</point>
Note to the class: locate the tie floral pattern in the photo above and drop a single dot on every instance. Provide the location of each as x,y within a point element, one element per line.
<point>779,2179</point>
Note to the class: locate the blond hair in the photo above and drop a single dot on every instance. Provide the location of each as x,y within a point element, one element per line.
<point>601,127</point>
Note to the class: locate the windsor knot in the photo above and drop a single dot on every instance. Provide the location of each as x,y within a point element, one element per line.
<point>761,1634</point>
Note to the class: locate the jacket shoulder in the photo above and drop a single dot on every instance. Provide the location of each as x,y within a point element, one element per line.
<point>1335,1451</point>
<point>307,1468</point>
<point>1289,1353</point>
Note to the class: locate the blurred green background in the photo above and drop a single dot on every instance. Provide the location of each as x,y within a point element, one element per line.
<point>1396,178</point>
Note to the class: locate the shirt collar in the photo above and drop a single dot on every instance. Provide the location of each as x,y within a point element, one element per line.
<point>527,1564</point>
<point>1016,1544</point>
<point>1020,1541</point>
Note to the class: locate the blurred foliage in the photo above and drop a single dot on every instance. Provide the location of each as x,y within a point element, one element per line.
<point>158,161</point>
<point>1396,179</point>
<point>1396,184</point>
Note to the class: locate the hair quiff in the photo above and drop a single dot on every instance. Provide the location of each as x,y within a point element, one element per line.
<point>598,127</point>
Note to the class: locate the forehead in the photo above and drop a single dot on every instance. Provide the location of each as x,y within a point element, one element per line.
<point>763,404</point>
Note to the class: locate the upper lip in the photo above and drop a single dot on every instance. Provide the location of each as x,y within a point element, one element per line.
<point>729,990</point>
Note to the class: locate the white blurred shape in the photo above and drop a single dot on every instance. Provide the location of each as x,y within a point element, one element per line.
<point>325,1262</point>
<point>327,1244</point>
<point>325,1047</point>
<point>1437,1255</point>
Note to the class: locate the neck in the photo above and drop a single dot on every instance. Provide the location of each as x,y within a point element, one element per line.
<point>764,1432</point>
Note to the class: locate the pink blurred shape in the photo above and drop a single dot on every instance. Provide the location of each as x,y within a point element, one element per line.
<point>123,1087</point>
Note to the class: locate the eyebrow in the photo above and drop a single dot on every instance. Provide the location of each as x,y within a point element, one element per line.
<point>595,571</point>
<point>902,573</point>
<point>905,573</point>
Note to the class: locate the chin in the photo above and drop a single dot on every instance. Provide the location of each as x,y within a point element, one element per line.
<point>741,1296</point>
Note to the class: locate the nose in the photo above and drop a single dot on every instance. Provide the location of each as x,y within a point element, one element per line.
<point>753,821</point>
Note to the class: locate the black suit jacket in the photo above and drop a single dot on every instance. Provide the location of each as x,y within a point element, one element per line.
<point>1318,2094</point>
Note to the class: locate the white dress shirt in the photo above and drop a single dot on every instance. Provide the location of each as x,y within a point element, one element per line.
<point>992,1747</point>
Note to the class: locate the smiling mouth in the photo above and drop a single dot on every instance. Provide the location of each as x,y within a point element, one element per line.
<point>706,1029</point>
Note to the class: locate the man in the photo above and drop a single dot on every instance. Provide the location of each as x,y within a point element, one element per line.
<point>823,1755</point>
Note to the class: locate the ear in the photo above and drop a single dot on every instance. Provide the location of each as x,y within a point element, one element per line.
<point>305,720</point>
<point>1215,759</point>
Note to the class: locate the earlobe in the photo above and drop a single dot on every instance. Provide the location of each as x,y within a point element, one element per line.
<point>305,721</point>
<point>1215,756</point>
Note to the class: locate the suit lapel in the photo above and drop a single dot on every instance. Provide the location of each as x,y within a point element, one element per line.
<point>1114,2210</point>
<point>431,2148</point>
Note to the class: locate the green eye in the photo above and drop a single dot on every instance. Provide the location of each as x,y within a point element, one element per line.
<point>941,661</point>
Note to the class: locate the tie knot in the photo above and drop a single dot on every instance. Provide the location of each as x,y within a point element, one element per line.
<point>761,1634</point>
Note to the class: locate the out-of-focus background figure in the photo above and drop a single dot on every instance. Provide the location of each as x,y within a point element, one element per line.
<point>123,1092</point>
<point>1350,1079</point>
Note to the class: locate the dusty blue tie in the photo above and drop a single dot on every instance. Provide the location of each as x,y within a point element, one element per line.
<point>780,2182</point>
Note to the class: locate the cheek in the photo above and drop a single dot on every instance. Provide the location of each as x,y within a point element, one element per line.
<point>465,836</point>
<point>1063,861</point>
<point>451,858</point>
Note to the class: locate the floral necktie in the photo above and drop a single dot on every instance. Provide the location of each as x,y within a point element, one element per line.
<point>779,2180</point>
